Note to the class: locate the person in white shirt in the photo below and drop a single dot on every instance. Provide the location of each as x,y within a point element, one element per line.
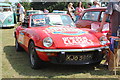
<point>46,11</point>
<point>21,12</point>
<point>95,4</point>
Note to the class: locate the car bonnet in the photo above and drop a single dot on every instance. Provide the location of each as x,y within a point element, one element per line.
<point>70,37</point>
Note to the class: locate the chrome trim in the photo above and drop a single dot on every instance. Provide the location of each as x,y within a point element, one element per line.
<point>11,25</point>
<point>71,50</point>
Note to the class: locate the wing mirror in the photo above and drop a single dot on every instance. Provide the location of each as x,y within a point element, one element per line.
<point>108,19</point>
<point>25,24</point>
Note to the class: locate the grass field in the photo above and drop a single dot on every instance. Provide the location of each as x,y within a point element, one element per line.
<point>16,64</point>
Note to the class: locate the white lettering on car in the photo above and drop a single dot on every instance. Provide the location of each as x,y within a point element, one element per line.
<point>57,29</point>
<point>83,41</point>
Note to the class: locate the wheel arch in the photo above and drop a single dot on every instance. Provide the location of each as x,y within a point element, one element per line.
<point>29,44</point>
<point>31,40</point>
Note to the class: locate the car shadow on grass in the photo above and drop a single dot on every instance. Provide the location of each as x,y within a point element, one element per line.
<point>20,63</point>
<point>7,27</point>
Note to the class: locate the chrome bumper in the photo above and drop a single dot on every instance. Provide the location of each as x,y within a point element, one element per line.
<point>71,50</point>
<point>7,25</point>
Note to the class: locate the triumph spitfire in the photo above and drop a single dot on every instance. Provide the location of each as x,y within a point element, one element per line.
<point>54,38</point>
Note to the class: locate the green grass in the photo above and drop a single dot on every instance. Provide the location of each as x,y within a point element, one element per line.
<point>16,64</point>
<point>1,54</point>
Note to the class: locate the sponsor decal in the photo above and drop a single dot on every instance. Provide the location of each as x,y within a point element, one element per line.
<point>39,21</point>
<point>82,41</point>
<point>65,31</point>
<point>21,38</point>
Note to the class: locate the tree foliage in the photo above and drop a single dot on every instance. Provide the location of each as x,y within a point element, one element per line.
<point>27,5</point>
<point>53,5</point>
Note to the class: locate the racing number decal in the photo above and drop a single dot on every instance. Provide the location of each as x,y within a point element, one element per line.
<point>21,38</point>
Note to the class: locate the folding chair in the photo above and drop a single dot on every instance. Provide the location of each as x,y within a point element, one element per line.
<point>114,59</point>
<point>117,56</point>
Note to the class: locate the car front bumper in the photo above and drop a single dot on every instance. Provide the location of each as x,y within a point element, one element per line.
<point>7,25</point>
<point>76,56</point>
<point>71,50</point>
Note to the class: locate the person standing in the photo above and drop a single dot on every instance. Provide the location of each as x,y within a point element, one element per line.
<point>21,12</point>
<point>46,11</point>
<point>79,10</point>
<point>32,9</point>
<point>113,10</point>
<point>95,4</point>
<point>18,15</point>
<point>71,10</point>
<point>89,5</point>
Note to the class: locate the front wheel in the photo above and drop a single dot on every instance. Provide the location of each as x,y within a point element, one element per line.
<point>35,61</point>
<point>96,64</point>
<point>17,46</point>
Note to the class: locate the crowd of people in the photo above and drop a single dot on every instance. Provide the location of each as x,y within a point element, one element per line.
<point>73,12</point>
<point>76,12</point>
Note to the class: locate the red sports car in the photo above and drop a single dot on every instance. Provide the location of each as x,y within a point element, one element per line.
<point>54,38</point>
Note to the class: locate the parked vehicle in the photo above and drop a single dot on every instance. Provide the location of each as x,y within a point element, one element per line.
<point>7,16</point>
<point>58,11</point>
<point>91,18</point>
<point>28,12</point>
<point>54,38</point>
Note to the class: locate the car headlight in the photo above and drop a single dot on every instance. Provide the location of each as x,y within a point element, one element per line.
<point>104,40</point>
<point>9,20</point>
<point>47,42</point>
<point>10,16</point>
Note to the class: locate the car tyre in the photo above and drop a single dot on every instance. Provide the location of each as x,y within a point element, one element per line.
<point>96,64</point>
<point>17,46</point>
<point>35,61</point>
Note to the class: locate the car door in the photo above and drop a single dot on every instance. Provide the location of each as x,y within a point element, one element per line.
<point>87,19</point>
<point>22,37</point>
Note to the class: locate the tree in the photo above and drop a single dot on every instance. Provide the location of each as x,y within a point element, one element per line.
<point>53,5</point>
<point>49,5</point>
<point>42,5</point>
<point>26,5</point>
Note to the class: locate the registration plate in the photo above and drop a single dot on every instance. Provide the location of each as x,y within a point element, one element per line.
<point>78,57</point>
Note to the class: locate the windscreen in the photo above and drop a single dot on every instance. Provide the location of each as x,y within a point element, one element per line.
<point>52,20</point>
<point>5,8</point>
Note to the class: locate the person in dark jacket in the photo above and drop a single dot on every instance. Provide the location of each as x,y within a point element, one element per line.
<point>113,10</point>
